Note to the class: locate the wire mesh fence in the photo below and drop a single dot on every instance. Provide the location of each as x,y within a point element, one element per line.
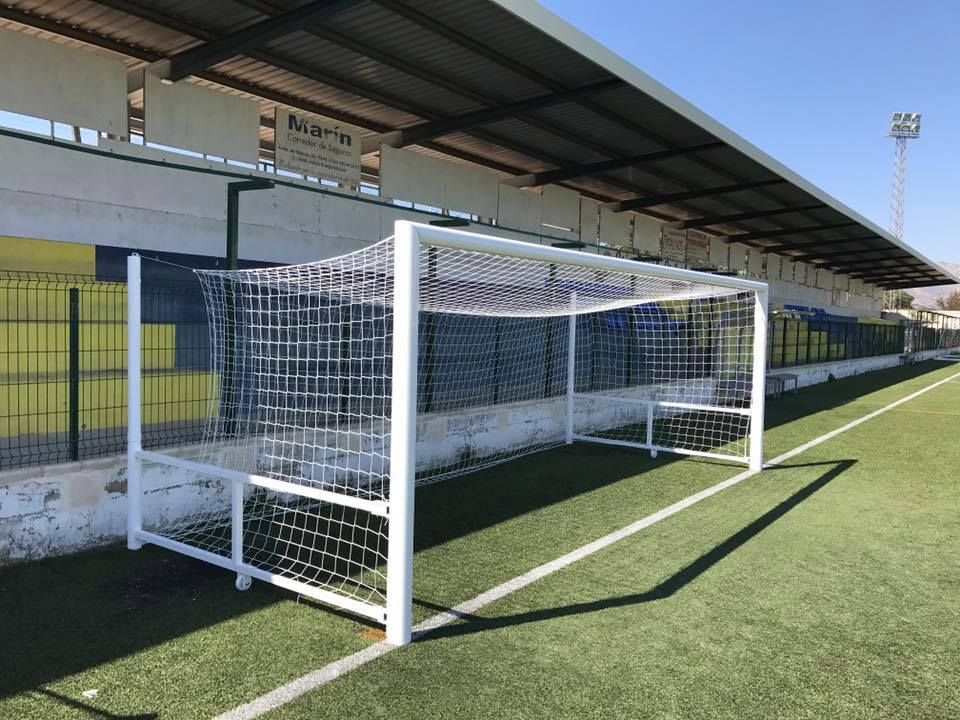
<point>932,331</point>
<point>802,341</point>
<point>63,359</point>
<point>63,367</point>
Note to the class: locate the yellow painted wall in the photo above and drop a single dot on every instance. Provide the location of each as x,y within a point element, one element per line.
<point>39,408</point>
<point>38,349</point>
<point>29,255</point>
<point>49,300</point>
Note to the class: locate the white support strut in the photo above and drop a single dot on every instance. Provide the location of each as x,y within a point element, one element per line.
<point>374,507</point>
<point>403,433</point>
<point>571,364</point>
<point>134,464</point>
<point>758,394</point>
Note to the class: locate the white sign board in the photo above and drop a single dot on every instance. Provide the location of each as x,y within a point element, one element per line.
<point>193,117</point>
<point>698,248</point>
<point>56,82</point>
<point>317,148</point>
<point>419,178</point>
<point>673,245</point>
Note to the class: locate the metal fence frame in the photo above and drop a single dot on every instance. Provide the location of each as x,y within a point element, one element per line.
<point>62,360</point>
<point>63,367</point>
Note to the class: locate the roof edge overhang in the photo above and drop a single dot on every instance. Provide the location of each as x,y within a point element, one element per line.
<point>563,32</point>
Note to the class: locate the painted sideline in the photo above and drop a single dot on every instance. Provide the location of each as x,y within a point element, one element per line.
<point>313,680</point>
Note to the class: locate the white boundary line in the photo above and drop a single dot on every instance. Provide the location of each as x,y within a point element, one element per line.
<point>317,678</point>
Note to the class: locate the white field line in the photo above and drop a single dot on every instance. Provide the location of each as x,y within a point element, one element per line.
<point>317,678</point>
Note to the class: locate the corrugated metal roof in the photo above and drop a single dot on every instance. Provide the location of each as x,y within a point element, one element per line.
<point>397,64</point>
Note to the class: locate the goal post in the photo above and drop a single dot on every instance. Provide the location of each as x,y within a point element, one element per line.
<point>340,386</point>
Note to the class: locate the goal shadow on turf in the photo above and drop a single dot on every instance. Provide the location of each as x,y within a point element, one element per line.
<point>664,589</point>
<point>90,710</point>
<point>121,603</point>
<point>823,397</point>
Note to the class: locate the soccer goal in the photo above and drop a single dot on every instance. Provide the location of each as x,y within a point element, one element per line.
<point>341,385</point>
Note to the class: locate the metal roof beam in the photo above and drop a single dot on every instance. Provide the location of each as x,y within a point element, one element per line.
<point>203,56</point>
<point>429,130</point>
<point>894,277</point>
<point>428,22</point>
<point>739,217</point>
<point>569,172</point>
<point>906,285</point>
<point>668,198</point>
<point>855,254</point>
<point>781,247</point>
<point>877,274</point>
<point>56,28</point>
<point>766,234</point>
<point>327,78</point>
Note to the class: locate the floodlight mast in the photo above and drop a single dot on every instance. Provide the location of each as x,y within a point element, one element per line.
<point>903,126</point>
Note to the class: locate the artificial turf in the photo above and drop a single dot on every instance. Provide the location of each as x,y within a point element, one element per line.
<point>824,588</point>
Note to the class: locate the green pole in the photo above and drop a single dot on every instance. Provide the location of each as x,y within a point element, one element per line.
<point>229,399</point>
<point>73,401</point>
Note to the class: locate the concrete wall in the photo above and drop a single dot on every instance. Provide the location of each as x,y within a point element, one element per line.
<point>58,509</point>
<point>821,372</point>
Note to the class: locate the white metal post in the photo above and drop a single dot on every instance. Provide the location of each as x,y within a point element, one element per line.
<point>758,392</point>
<point>236,523</point>
<point>134,464</point>
<point>571,364</point>
<point>653,453</point>
<point>403,433</point>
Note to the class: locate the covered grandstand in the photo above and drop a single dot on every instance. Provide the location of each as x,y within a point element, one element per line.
<point>493,114</point>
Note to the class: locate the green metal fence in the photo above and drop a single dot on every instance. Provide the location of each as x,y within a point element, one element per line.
<point>802,341</point>
<point>63,361</point>
<point>63,367</point>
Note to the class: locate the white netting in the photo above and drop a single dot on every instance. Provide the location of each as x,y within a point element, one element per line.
<point>301,357</point>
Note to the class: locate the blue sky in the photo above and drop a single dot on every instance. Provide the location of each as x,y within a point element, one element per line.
<point>813,84</point>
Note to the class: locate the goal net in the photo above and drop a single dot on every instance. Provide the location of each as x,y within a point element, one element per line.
<point>342,384</point>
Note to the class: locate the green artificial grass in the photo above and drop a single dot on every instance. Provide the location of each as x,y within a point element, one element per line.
<point>825,588</point>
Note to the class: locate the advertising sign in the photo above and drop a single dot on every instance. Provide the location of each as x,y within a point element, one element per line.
<point>317,148</point>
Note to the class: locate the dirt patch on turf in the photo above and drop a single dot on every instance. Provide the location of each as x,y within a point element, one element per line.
<point>167,575</point>
<point>373,634</point>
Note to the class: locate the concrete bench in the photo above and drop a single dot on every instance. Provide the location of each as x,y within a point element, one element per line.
<point>778,383</point>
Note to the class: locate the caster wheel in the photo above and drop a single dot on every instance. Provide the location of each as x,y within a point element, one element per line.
<point>243,582</point>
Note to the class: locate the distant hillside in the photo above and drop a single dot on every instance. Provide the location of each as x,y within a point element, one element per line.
<point>927,297</point>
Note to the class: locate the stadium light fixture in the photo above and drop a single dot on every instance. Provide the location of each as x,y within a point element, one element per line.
<point>905,125</point>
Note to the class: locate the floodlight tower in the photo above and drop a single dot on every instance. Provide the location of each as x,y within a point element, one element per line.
<point>903,126</point>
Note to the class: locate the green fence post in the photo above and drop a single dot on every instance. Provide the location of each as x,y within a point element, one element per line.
<point>73,370</point>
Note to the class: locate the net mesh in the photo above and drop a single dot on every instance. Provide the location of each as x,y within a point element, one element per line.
<point>302,359</point>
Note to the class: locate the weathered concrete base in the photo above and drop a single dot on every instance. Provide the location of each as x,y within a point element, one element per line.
<point>821,372</point>
<point>58,509</point>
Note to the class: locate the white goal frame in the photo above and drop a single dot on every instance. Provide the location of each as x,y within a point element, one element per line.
<point>409,238</point>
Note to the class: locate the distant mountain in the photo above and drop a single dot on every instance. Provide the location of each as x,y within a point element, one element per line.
<point>927,296</point>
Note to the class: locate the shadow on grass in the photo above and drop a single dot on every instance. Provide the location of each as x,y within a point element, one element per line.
<point>827,396</point>
<point>65,615</point>
<point>90,710</point>
<point>662,590</point>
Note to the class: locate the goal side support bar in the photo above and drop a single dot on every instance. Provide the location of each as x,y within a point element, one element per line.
<point>758,385</point>
<point>134,465</point>
<point>374,612</point>
<point>374,507</point>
